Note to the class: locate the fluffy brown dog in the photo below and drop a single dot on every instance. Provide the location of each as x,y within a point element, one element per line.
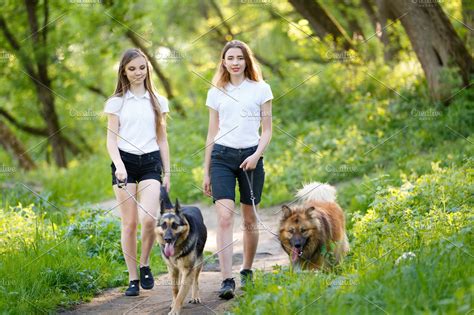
<point>313,232</point>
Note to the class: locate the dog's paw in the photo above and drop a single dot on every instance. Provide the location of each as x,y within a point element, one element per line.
<point>195,301</point>
<point>174,312</point>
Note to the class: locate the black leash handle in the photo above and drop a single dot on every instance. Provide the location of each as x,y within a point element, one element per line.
<point>250,182</point>
<point>121,184</point>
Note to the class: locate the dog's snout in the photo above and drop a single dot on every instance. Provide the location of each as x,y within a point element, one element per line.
<point>168,236</point>
<point>297,242</point>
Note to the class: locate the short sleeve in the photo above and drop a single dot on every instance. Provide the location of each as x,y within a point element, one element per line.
<point>211,100</point>
<point>266,93</point>
<point>164,104</point>
<point>113,106</point>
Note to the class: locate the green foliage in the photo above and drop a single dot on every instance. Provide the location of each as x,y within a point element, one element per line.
<point>410,253</point>
<point>100,234</point>
<point>22,227</point>
<point>423,210</point>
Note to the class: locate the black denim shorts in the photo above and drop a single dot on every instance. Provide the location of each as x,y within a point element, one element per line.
<point>140,167</point>
<point>225,171</point>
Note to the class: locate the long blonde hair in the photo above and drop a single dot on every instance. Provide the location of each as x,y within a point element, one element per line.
<point>123,84</point>
<point>252,69</point>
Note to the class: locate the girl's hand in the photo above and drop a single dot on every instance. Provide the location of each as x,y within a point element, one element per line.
<point>206,185</point>
<point>166,182</point>
<point>121,173</point>
<point>250,163</point>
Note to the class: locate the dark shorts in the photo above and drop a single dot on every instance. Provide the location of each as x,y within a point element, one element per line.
<point>140,167</point>
<point>225,171</point>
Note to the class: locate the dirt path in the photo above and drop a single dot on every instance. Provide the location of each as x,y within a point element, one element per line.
<point>157,300</point>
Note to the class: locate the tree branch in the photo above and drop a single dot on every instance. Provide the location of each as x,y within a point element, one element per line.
<point>26,62</point>
<point>156,67</point>
<point>44,133</point>
<point>29,129</point>
<point>79,79</point>
<point>223,41</point>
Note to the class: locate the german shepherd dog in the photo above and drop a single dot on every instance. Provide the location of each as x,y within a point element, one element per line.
<point>182,235</point>
<point>313,232</point>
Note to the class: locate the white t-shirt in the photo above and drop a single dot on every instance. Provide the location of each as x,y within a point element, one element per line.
<point>239,109</point>
<point>137,132</point>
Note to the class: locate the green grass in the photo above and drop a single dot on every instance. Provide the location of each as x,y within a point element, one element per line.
<point>436,281</point>
<point>430,216</point>
<point>45,266</point>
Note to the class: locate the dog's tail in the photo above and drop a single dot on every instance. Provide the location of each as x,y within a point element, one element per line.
<point>317,192</point>
<point>165,199</point>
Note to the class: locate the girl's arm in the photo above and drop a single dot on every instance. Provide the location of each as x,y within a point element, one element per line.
<point>112,147</point>
<point>211,134</point>
<point>266,114</point>
<point>162,141</point>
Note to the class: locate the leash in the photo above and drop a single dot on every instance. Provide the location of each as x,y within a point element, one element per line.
<point>123,185</point>
<point>252,197</point>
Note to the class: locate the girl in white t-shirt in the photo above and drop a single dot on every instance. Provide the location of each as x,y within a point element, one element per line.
<point>138,146</point>
<point>239,103</point>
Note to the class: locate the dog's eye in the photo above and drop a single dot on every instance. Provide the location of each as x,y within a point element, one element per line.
<point>174,226</point>
<point>163,225</point>
<point>291,230</point>
<point>303,230</point>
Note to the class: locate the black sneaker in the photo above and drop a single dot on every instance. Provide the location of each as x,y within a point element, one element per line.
<point>133,288</point>
<point>246,277</point>
<point>146,278</point>
<point>227,289</point>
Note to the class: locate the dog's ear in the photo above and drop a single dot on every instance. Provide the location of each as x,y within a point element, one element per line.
<point>177,207</point>
<point>286,211</point>
<point>162,206</point>
<point>309,212</point>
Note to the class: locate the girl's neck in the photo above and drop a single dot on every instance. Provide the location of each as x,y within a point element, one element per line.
<point>138,90</point>
<point>236,80</point>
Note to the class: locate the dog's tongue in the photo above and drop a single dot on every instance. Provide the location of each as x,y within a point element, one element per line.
<point>294,254</point>
<point>169,249</point>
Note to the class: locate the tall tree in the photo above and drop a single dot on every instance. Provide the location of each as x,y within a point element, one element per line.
<point>321,21</point>
<point>438,47</point>
<point>36,68</point>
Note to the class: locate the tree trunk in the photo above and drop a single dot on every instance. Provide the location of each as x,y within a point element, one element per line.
<point>436,44</point>
<point>321,21</point>
<point>13,145</point>
<point>52,124</point>
<point>43,83</point>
